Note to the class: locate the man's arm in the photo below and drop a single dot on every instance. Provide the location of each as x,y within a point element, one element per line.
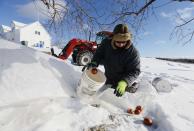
<point>99,54</point>
<point>132,68</point>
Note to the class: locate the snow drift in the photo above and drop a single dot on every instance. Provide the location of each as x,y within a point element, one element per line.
<point>26,74</point>
<point>37,93</point>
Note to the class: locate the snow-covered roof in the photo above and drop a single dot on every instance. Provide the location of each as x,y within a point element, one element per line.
<point>6,28</point>
<point>34,23</point>
<point>18,24</point>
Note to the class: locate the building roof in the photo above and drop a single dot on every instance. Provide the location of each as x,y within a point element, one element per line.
<point>20,25</point>
<point>16,23</point>
<point>6,28</point>
<point>34,23</point>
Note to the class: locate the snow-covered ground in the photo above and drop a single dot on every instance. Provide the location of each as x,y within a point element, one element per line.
<point>37,93</point>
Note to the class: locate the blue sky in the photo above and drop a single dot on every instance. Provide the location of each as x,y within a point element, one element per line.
<point>155,39</point>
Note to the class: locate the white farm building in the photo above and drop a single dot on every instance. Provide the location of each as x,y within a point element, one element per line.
<point>31,35</point>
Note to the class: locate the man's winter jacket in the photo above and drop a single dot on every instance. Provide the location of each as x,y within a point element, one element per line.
<point>119,64</point>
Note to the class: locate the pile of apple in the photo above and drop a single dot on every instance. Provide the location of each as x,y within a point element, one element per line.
<point>137,110</point>
<point>147,120</point>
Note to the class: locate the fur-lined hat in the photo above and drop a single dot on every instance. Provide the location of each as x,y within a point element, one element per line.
<point>121,33</point>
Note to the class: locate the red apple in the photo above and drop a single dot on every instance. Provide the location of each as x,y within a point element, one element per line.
<point>137,112</point>
<point>147,121</point>
<point>94,71</point>
<point>130,111</point>
<point>139,108</point>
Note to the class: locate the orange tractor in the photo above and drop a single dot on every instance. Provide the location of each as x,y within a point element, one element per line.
<point>82,50</point>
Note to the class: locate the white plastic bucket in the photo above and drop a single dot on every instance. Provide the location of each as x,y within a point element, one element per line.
<point>161,84</point>
<point>90,83</point>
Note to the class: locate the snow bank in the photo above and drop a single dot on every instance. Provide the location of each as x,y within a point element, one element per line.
<point>45,114</point>
<point>27,74</point>
<point>37,93</point>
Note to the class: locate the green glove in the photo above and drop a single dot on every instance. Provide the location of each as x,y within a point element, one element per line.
<point>120,89</point>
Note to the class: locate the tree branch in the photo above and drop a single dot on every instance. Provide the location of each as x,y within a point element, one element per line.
<point>140,10</point>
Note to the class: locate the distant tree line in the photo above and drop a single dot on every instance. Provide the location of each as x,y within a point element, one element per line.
<point>183,60</point>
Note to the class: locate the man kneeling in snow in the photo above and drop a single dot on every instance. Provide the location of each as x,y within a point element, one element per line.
<point>120,59</point>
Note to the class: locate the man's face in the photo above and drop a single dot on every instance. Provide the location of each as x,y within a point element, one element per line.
<point>120,44</point>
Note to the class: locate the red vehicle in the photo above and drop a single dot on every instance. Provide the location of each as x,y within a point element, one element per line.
<point>82,50</point>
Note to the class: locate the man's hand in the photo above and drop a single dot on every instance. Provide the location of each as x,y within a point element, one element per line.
<point>120,89</point>
<point>90,65</point>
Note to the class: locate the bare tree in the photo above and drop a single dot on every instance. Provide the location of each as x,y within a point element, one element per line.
<point>183,31</point>
<point>97,15</point>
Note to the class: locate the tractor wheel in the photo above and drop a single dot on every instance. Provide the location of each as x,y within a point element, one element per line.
<point>83,58</point>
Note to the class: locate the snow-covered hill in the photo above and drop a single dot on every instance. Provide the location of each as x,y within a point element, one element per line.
<point>37,93</point>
